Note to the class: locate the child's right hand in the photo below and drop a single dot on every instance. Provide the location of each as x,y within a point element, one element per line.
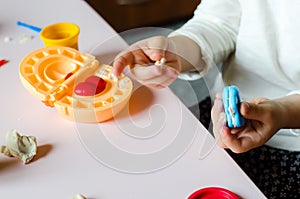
<point>141,56</point>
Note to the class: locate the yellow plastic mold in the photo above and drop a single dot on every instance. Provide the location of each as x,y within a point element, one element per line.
<point>52,73</point>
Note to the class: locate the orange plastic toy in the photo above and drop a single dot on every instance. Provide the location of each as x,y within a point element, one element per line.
<point>52,73</point>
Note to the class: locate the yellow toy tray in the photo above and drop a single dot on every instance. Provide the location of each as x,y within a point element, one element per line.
<point>52,73</point>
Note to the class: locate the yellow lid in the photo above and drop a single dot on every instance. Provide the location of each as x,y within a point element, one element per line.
<point>52,73</point>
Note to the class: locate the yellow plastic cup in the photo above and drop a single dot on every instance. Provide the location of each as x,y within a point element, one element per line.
<point>60,34</point>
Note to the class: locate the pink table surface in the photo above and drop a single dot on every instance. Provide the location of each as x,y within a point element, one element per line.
<point>154,149</point>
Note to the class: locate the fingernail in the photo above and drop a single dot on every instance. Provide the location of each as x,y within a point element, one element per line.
<point>246,107</point>
<point>156,56</point>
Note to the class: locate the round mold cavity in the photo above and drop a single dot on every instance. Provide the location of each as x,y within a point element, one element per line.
<point>57,69</point>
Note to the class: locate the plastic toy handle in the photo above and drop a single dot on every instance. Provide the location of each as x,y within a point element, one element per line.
<point>34,28</point>
<point>3,61</point>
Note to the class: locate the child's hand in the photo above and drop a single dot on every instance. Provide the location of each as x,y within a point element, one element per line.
<point>141,58</point>
<point>263,120</point>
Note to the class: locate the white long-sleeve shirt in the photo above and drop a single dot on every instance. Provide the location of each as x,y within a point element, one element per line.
<point>258,44</point>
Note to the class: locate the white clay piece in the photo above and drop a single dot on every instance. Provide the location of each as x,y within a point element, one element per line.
<point>25,38</point>
<point>79,196</point>
<point>7,39</point>
<point>160,62</point>
<point>21,147</point>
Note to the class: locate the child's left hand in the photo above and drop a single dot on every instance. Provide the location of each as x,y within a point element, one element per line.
<point>141,58</point>
<point>263,120</point>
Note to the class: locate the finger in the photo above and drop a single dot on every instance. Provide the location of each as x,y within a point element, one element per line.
<point>159,47</point>
<point>155,47</point>
<point>231,141</point>
<point>146,72</point>
<point>121,62</point>
<point>218,119</point>
<point>236,144</point>
<point>155,74</point>
<point>219,95</point>
<point>217,108</point>
<point>219,123</point>
<point>218,129</point>
<point>166,78</point>
<point>156,55</point>
<point>170,72</point>
<point>251,111</point>
<point>130,58</point>
<point>138,53</point>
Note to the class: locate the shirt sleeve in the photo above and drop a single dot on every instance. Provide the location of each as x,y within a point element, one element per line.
<point>294,92</point>
<point>214,27</point>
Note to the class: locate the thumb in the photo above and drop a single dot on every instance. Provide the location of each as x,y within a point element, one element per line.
<point>155,47</point>
<point>251,111</point>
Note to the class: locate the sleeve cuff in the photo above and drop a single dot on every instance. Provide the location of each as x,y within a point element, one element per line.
<point>294,92</point>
